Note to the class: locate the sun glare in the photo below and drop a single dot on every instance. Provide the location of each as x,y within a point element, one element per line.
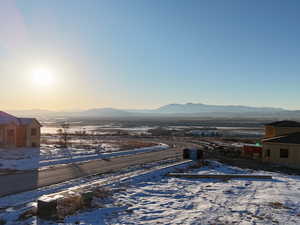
<point>42,76</point>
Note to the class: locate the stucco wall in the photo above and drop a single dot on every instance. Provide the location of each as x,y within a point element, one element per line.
<point>33,139</point>
<point>21,136</point>
<point>9,141</point>
<point>293,159</point>
<point>271,131</point>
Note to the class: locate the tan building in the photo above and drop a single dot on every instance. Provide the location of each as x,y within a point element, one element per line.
<point>19,132</point>
<point>279,128</point>
<point>282,143</point>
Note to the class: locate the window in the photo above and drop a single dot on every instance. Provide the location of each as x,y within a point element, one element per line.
<point>268,153</point>
<point>284,153</point>
<point>33,131</point>
<point>33,144</point>
<point>10,133</point>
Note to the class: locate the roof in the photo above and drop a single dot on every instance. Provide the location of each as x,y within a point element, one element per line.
<point>27,121</point>
<point>284,123</point>
<point>6,118</point>
<point>293,138</point>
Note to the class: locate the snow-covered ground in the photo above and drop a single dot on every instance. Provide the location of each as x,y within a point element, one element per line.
<point>12,206</point>
<point>32,158</point>
<point>165,200</point>
<point>156,199</point>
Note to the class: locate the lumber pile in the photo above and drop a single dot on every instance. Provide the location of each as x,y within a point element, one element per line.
<point>60,205</point>
<point>218,176</point>
<point>91,195</point>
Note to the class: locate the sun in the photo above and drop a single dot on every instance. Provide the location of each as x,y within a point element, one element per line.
<point>43,76</point>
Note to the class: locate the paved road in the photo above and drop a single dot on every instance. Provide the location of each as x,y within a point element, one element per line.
<point>15,183</point>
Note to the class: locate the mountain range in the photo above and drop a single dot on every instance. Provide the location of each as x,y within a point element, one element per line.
<point>180,110</point>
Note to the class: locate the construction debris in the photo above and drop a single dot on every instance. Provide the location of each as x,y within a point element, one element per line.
<point>58,206</point>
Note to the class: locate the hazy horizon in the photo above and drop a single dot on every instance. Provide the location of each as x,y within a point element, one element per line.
<point>127,108</point>
<point>65,55</point>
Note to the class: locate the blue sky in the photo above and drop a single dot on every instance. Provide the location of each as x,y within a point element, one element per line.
<point>146,53</point>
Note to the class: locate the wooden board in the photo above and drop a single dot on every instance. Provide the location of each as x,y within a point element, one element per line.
<point>219,176</point>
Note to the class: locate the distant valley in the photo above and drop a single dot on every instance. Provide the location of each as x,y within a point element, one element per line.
<point>172,110</point>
